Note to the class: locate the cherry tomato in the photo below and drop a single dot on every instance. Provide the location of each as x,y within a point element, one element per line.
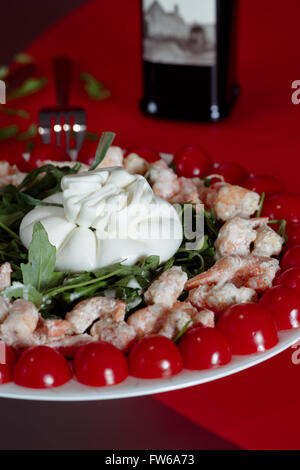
<point>42,152</point>
<point>153,357</point>
<point>204,348</point>
<point>6,370</point>
<point>284,304</point>
<point>233,173</point>
<point>290,277</point>
<point>293,233</point>
<point>146,153</point>
<point>41,367</point>
<point>291,257</point>
<point>249,328</point>
<point>263,184</point>
<point>100,364</point>
<point>192,161</point>
<point>282,206</point>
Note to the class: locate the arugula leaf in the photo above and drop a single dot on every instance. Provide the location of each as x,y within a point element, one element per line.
<point>260,206</point>
<point>105,142</point>
<point>14,112</point>
<point>29,86</point>
<point>31,132</point>
<point>8,132</point>
<point>21,291</point>
<point>23,58</point>
<point>39,271</point>
<point>3,71</point>
<point>94,88</point>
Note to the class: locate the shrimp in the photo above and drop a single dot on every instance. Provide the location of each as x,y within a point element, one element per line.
<point>135,164</point>
<point>188,192</point>
<point>267,242</point>
<point>20,323</point>
<point>218,298</point>
<point>5,272</point>
<point>87,311</point>
<point>9,174</point>
<point>163,180</point>
<point>118,333</point>
<point>114,157</point>
<point>236,235</point>
<point>55,328</point>
<point>167,288</point>
<point>147,320</point>
<point>229,201</point>
<point>4,308</point>
<point>239,270</point>
<point>156,319</point>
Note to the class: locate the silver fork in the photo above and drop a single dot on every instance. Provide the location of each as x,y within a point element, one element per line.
<point>63,120</point>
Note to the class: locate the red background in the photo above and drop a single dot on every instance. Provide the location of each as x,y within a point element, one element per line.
<point>258,408</point>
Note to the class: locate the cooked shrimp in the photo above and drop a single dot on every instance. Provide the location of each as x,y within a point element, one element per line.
<point>167,288</point>
<point>229,201</point>
<point>4,308</point>
<point>87,311</point>
<point>163,180</point>
<point>237,269</point>
<point>236,235</point>
<point>188,192</point>
<point>262,281</point>
<point>113,157</point>
<point>120,334</point>
<point>55,328</point>
<point>147,320</point>
<point>176,319</point>
<point>205,317</point>
<point>5,272</point>
<point>20,323</point>
<point>220,297</point>
<point>267,242</point>
<point>9,174</point>
<point>135,164</point>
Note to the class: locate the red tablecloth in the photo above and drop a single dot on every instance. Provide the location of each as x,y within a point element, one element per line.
<point>258,408</point>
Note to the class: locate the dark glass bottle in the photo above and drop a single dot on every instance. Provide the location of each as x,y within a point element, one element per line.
<point>189,58</point>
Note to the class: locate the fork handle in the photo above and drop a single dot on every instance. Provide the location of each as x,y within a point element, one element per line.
<point>62,78</point>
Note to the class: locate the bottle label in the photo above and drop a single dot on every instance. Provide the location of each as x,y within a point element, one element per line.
<point>181,32</point>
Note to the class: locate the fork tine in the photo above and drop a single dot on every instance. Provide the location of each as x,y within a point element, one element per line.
<point>57,129</point>
<point>67,129</point>
<point>45,127</point>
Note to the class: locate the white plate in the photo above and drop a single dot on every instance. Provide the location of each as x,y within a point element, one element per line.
<point>131,387</point>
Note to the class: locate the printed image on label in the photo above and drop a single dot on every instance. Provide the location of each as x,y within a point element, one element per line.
<point>181,32</point>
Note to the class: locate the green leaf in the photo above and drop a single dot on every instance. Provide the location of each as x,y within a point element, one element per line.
<point>23,58</point>
<point>8,132</point>
<point>21,291</point>
<point>31,132</point>
<point>260,206</point>
<point>29,86</point>
<point>39,271</point>
<point>105,141</point>
<point>14,112</point>
<point>32,201</point>
<point>94,88</point>
<point>182,332</point>
<point>3,71</point>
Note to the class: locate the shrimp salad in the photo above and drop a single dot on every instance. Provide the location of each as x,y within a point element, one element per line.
<point>150,317</point>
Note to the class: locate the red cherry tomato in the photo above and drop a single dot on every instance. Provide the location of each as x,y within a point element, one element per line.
<point>293,234</point>
<point>291,257</point>
<point>233,173</point>
<point>41,367</point>
<point>282,206</point>
<point>284,304</point>
<point>192,161</point>
<point>204,348</point>
<point>263,184</point>
<point>146,153</point>
<point>6,370</point>
<point>249,328</point>
<point>153,357</point>
<point>100,364</point>
<point>42,152</point>
<point>290,277</point>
